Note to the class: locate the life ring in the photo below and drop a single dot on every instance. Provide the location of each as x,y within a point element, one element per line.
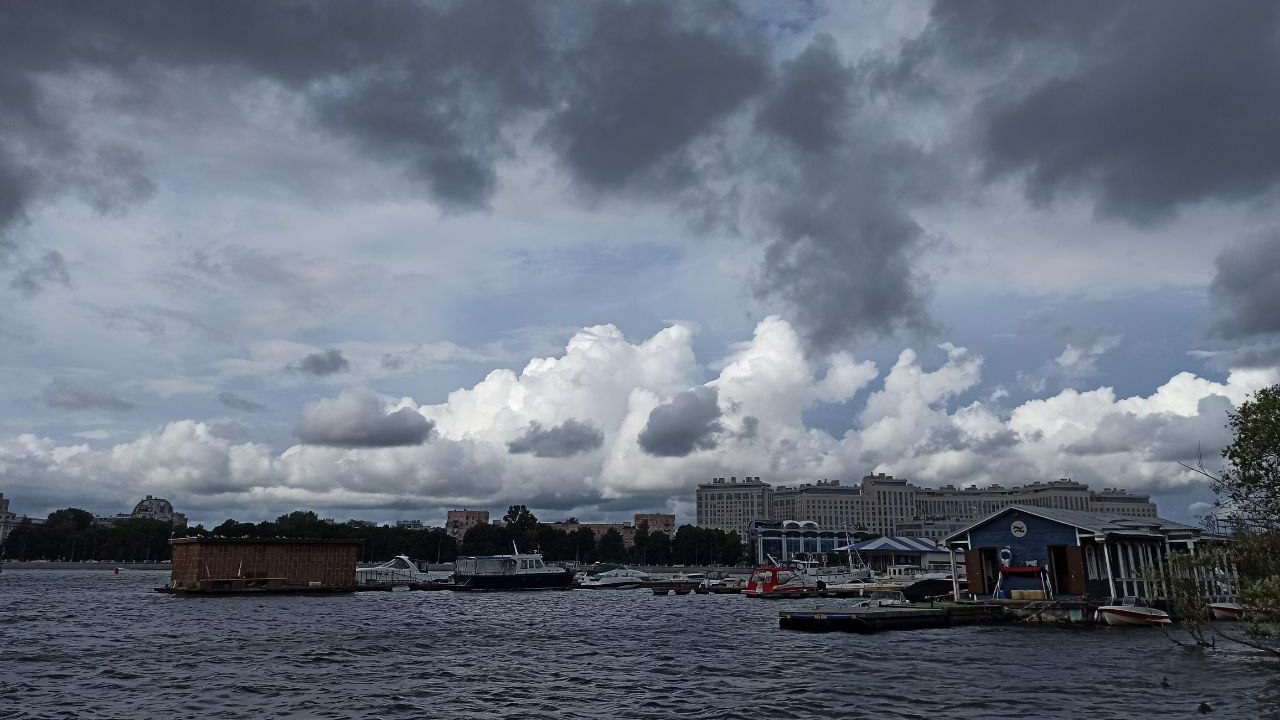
<point>1006,557</point>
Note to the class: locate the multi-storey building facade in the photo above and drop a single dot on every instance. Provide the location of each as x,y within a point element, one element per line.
<point>887,505</point>
<point>729,503</point>
<point>458,522</point>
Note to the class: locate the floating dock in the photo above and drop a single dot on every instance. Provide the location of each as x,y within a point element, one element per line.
<point>664,587</point>
<point>875,619</point>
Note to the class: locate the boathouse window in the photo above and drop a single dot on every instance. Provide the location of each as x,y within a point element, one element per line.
<point>1091,561</point>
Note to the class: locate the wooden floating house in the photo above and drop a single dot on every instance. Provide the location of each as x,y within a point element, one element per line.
<point>228,566</point>
<point>1032,553</point>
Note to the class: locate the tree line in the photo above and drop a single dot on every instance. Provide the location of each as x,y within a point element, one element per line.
<point>691,545</point>
<point>72,535</point>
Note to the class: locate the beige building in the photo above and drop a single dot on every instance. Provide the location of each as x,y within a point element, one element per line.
<point>658,521</point>
<point>148,508</point>
<point>459,522</point>
<point>887,505</point>
<point>729,503</point>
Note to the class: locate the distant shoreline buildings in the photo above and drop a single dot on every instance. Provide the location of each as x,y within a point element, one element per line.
<point>884,505</point>
<point>148,508</point>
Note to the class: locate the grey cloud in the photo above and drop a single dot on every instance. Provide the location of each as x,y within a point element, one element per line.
<point>564,440</point>
<point>236,402</point>
<point>689,422</point>
<point>326,362</point>
<point>842,246</point>
<point>357,418</point>
<point>51,268</point>
<point>750,428</point>
<point>233,432</point>
<point>1259,355</point>
<point>648,79</point>
<point>1162,437</point>
<point>1148,107</point>
<point>1246,287</point>
<point>811,99</point>
<point>628,97</point>
<point>70,395</point>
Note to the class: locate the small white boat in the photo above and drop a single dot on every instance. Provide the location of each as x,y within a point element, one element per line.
<point>1226,610</point>
<point>611,575</point>
<point>1131,615</point>
<point>400,570</point>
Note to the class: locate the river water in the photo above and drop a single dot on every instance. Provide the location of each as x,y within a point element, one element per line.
<point>83,644</point>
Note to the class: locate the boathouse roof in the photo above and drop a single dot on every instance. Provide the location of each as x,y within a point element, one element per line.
<point>1090,522</point>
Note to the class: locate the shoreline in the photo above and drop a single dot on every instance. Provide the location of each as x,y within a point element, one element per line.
<point>100,565</point>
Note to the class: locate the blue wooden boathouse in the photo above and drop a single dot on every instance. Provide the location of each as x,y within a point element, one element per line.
<point>1028,552</point>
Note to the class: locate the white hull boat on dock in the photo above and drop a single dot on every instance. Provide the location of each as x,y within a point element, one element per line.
<point>1132,615</point>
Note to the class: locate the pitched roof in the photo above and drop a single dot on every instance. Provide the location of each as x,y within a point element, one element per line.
<point>897,544</point>
<point>1092,522</point>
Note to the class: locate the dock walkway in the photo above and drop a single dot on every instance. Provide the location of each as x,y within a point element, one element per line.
<point>875,619</point>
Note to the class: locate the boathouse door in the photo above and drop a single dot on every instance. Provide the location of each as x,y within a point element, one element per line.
<point>977,573</point>
<point>1068,569</point>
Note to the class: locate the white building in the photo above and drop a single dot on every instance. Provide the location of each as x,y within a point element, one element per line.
<point>886,505</point>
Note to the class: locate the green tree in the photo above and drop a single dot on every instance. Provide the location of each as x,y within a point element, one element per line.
<point>522,526</point>
<point>1248,506</point>
<point>732,549</point>
<point>584,545</point>
<point>611,548</point>
<point>659,548</point>
<point>486,539</point>
<point>640,543</point>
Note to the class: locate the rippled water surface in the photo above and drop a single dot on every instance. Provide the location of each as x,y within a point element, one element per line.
<point>83,644</point>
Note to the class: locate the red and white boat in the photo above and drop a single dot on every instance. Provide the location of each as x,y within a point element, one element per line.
<point>1132,615</point>
<point>1226,610</point>
<point>774,581</point>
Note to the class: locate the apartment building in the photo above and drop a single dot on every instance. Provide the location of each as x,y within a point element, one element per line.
<point>887,505</point>
<point>458,522</point>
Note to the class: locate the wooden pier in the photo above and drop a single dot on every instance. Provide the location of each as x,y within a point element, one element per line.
<point>875,619</point>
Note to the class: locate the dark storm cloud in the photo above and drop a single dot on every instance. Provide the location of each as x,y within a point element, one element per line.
<point>236,402</point>
<point>356,418</point>
<point>50,269</point>
<point>634,99</point>
<point>1246,288</point>
<point>687,423</point>
<point>1149,106</point>
<point>325,362</point>
<point>69,395</point>
<point>811,99</point>
<point>843,246</point>
<point>564,440</point>
<point>648,79</point>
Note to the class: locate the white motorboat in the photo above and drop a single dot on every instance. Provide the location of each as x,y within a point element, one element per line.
<point>611,575</point>
<point>1226,610</point>
<point>399,570</point>
<point>1131,615</point>
<point>884,598</point>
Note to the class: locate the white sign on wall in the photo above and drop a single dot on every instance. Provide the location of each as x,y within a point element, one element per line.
<point>1018,528</point>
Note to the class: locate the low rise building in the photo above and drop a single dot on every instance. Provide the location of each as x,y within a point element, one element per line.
<point>782,540</point>
<point>410,524</point>
<point>458,522</point>
<point>230,565</point>
<point>658,522</point>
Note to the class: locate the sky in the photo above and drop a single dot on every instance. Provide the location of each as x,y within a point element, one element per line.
<point>380,260</point>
